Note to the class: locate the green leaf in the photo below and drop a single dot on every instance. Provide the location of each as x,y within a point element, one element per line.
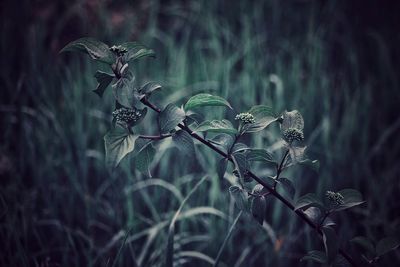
<point>136,50</point>
<point>216,126</point>
<point>239,147</point>
<point>104,79</point>
<point>330,242</point>
<point>95,49</point>
<point>241,166</point>
<point>292,119</point>
<point>239,197</point>
<point>221,168</point>
<point>314,214</point>
<point>118,143</point>
<point>124,90</point>
<point>308,200</point>
<point>184,142</point>
<point>259,155</point>
<point>328,222</point>
<point>170,117</point>
<point>148,88</point>
<point>224,141</point>
<point>312,164</point>
<point>264,117</point>
<point>364,242</point>
<point>287,186</point>
<point>259,189</point>
<point>194,118</point>
<point>258,207</point>
<point>144,158</point>
<point>386,245</point>
<point>351,198</point>
<point>316,256</point>
<point>203,100</point>
<point>140,144</point>
<point>296,153</point>
<point>340,261</point>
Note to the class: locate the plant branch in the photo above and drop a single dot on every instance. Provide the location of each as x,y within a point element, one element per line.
<point>280,167</point>
<point>155,137</point>
<point>275,193</point>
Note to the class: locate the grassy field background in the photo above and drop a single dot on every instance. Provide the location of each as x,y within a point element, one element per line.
<point>337,62</point>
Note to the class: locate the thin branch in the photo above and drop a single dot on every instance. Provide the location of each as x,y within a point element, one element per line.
<point>280,168</point>
<point>155,137</point>
<point>275,193</point>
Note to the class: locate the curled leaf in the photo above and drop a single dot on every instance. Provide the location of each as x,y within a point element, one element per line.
<point>292,119</point>
<point>104,79</point>
<point>95,49</point>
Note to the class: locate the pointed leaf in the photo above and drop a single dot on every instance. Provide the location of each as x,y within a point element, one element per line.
<point>258,207</point>
<point>203,100</point>
<point>263,115</point>
<point>184,142</point>
<point>239,197</point>
<point>259,155</point>
<point>364,242</point>
<point>124,90</point>
<point>241,166</point>
<point>296,153</point>
<point>149,87</point>
<point>221,167</point>
<point>312,164</point>
<point>118,143</point>
<point>95,49</point>
<point>386,244</point>
<point>135,51</point>
<point>351,199</point>
<point>330,242</point>
<point>216,126</point>
<point>104,79</point>
<point>308,200</point>
<point>287,186</point>
<point>316,256</point>
<point>259,189</point>
<point>314,214</point>
<point>170,117</point>
<point>144,158</point>
<point>224,141</point>
<point>239,147</point>
<point>292,119</point>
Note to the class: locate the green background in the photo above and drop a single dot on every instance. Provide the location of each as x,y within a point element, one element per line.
<point>337,62</point>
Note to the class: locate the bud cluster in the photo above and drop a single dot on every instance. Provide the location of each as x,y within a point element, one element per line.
<point>118,50</point>
<point>126,115</point>
<point>293,134</point>
<point>335,198</point>
<point>245,117</point>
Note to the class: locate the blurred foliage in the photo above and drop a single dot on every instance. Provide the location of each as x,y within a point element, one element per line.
<point>337,62</point>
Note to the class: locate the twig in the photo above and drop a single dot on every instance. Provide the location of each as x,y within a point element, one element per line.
<point>155,137</point>
<point>275,193</point>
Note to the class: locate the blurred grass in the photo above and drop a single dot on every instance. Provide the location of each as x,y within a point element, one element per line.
<point>59,205</point>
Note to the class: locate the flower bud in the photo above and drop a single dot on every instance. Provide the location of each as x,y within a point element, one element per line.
<point>245,117</point>
<point>118,50</point>
<point>127,115</point>
<point>334,198</point>
<point>292,134</point>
